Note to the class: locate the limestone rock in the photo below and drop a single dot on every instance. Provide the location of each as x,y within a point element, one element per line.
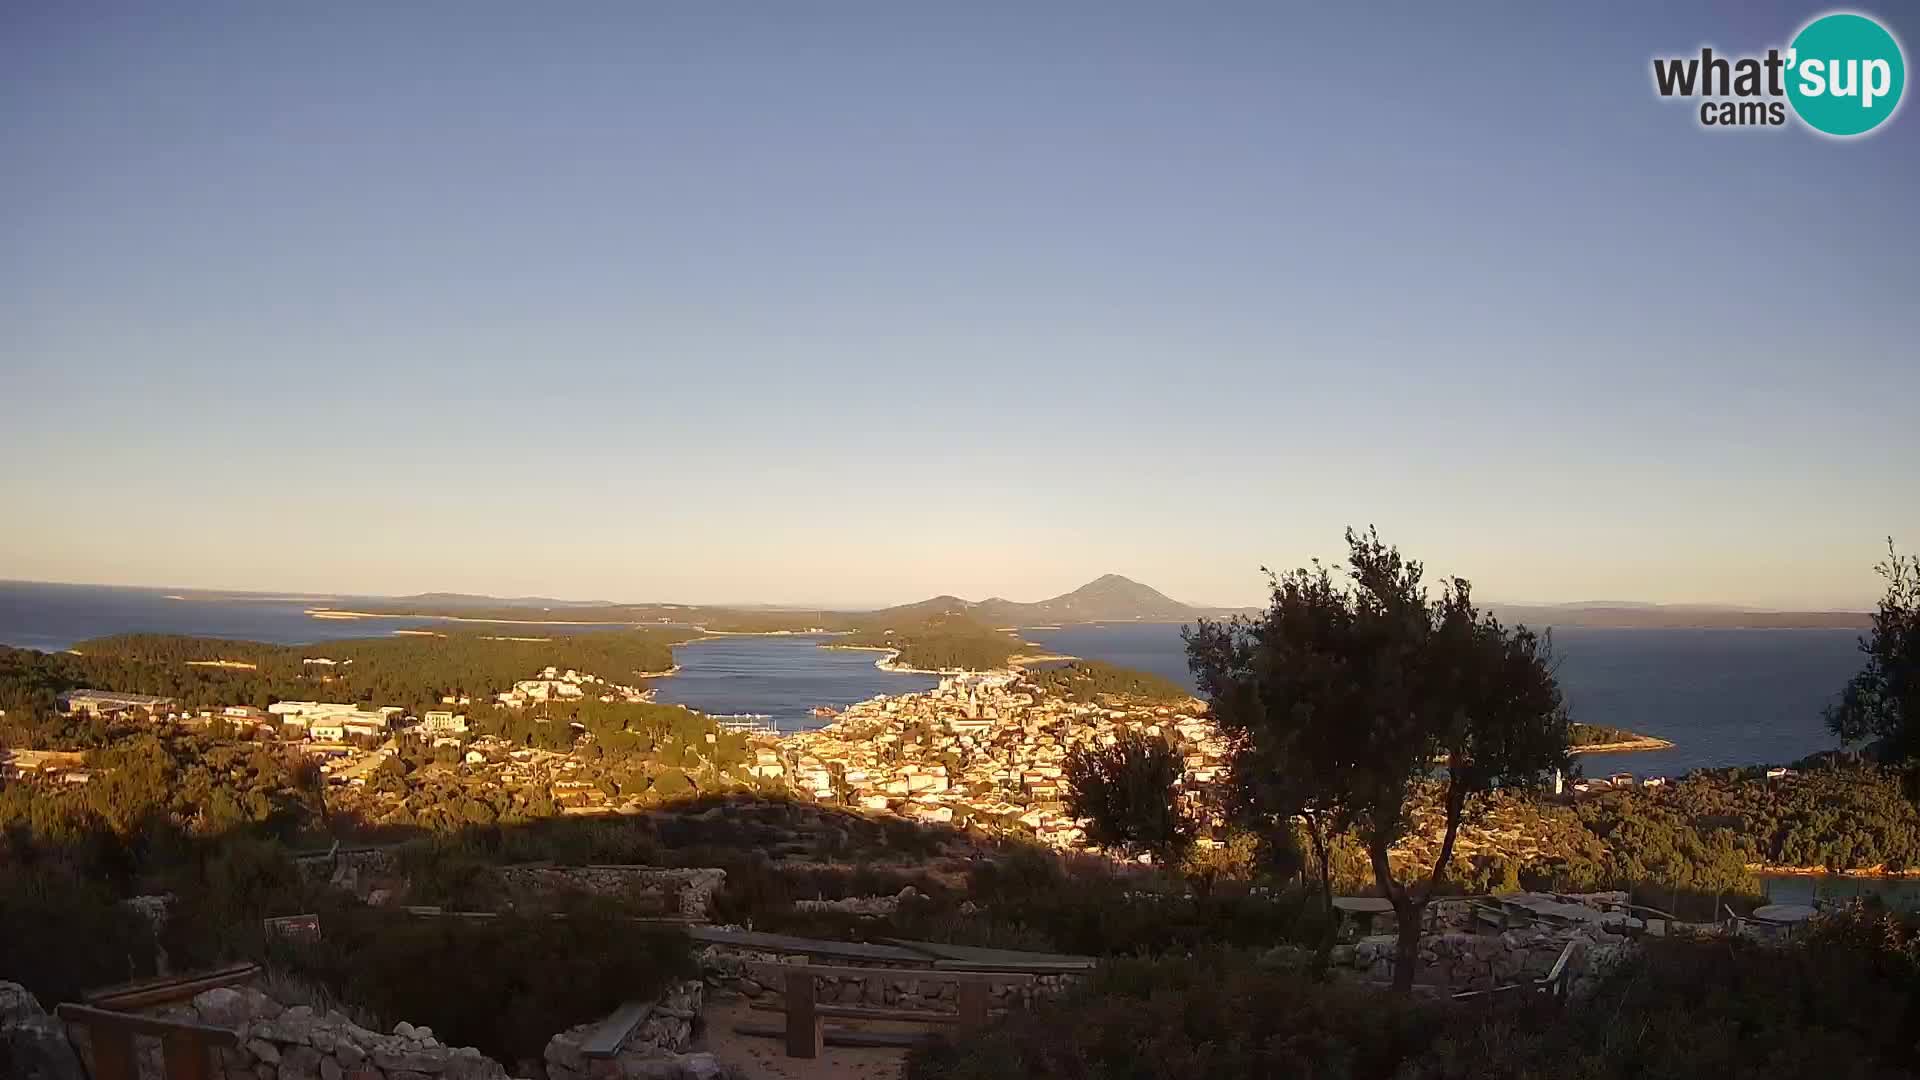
<point>33,1045</point>
<point>224,1007</point>
<point>416,1061</point>
<point>300,1063</point>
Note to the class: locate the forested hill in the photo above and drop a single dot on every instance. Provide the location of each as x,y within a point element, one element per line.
<point>938,641</point>
<point>411,671</point>
<point>1110,598</point>
<point>1105,599</point>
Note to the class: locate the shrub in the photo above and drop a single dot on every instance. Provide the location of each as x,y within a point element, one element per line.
<point>1838,1004</point>
<point>505,985</point>
<point>221,894</point>
<point>1214,1014</point>
<point>1085,905</point>
<point>1842,1002</point>
<point>61,934</point>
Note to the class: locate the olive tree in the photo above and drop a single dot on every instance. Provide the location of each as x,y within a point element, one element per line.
<point>1351,694</point>
<point>1127,794</point>
<point>1882,703</point>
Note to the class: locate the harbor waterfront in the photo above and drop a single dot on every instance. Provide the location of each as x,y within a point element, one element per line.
<point>782,676</point>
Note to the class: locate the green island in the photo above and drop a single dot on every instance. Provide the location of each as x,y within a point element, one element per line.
<point>942,642</point>
<point>1592,737</point>
<point>1094,680</point>
<point>411,670</point>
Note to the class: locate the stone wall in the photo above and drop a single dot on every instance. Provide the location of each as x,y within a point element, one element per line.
<point>298,1043</point>
<point>656,1048</point>
<point>874,906</point>
<point>360,871</point>
<point>686,892</point>
<point>1456,961</point>
<point>373,874</point>
<point>728,974</point>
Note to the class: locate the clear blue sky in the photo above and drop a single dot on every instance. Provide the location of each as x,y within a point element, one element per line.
<point>858,303</point>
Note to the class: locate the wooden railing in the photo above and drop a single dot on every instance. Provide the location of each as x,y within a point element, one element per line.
<point>167,989</point>
<point>185,1048</point>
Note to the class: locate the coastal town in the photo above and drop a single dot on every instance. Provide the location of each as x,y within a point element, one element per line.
<point>985,750</point>
<point>981,750</point>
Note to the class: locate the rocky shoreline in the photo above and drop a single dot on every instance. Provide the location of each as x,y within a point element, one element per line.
<point>1867,873</point>
<point>1643,742</point>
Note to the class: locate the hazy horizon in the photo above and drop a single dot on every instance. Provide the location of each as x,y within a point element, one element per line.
<point>831,605</point>
<point>722,305</point>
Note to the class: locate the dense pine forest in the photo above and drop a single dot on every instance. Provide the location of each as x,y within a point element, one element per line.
<point>1091,680</point>
<point>938,642</point>
<point>411,671</point>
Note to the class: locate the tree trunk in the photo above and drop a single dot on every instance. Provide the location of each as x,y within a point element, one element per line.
<point>1406,956</point>
<point>1323,956</point>
<point>1406,909</point>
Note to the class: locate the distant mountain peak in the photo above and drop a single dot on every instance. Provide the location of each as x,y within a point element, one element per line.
<point>1107,598</point>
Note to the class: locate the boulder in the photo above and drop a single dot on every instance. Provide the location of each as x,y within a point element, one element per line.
<point>224,1007</point>
<point>33,1045</point>
<point>300,1063</point>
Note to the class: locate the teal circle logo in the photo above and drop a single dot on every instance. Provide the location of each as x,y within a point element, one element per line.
<point>1845,73</point>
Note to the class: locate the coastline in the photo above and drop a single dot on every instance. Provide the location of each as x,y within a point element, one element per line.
<point>706,634</point>
<point>1021,660</point>
<point>1644,742</point>
<point>886,663</point>
<point>1015,663</point>
<point>351,616</point>
<point>1869,873</point>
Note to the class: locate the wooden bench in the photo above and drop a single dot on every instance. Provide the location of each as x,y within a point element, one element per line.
<point>806,1033</point>
<point>186,1048</point>
<point>605,1039</point>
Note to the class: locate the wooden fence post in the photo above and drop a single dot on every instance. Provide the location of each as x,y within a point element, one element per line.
<point>806,1032</point>
<point>186,1056</point>
<point>973,1004</point>
<point>112,1053</point>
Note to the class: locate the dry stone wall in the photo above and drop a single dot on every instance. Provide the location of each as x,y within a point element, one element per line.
<point>300,1043</point>
<point>1459,961</point>
<point>728,973</point>
<point>689,892</point>
<point>373,874</point>
<point>860,905</point>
